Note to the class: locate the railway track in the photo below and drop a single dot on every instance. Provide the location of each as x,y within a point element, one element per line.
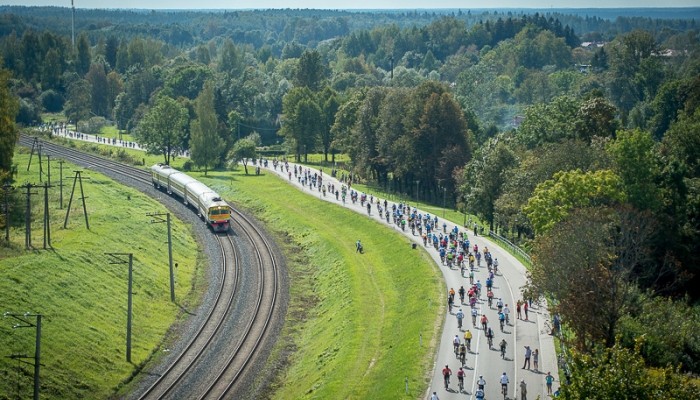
<point>200,370</point>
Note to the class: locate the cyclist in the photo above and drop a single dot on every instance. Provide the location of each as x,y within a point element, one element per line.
<point>490,297</point>
<point>474,317</point>
<point>471,277</point>
<point>452,293</point>
<point>460,315</point>
<point>478,288</point>
<point>462,354</point>
<point>446,372</point>
<point>455,344</point>
<point>460,379</point>
<point>479,394</point>
<point>501,320</point>
<point>369,208</point>
<point>499,304</point>
<point>495,265</point>
<point>489,336</point>
<point>506,312</point>
<point>461,291</point>
<point>481,383</point>
<point>450,301</point>
<point>489,284</point>
<point>503,345</point>
<point>468,339</point>
<point>484,322</point>
<point>504,383</point>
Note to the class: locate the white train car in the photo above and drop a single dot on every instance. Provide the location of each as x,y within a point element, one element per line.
<point>207,202</point>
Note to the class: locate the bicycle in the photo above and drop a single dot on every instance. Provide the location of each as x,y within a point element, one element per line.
<point>501,321</point>
<point>503,352</point>
<point>447,382</point>
<point>504,390</point>
<point>460,384</point>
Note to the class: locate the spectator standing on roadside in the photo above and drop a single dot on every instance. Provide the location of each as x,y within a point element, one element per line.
<point>528,354</point>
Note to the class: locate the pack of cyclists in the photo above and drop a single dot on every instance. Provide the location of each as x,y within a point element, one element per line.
<point>455,251</point>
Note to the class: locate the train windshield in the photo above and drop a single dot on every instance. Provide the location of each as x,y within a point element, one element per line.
<point>214,212</point>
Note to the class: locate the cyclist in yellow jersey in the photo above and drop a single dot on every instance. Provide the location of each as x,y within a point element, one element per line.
<point>468,339</point>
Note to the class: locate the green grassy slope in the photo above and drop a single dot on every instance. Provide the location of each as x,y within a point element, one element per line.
<point>355,320</point>
<point>82,295</point>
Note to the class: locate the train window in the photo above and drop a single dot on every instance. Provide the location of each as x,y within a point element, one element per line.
<point>214,212</point>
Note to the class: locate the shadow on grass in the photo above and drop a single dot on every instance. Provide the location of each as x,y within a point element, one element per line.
<point>186,311</point>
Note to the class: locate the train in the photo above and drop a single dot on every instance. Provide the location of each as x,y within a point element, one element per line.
<point>206,202</point>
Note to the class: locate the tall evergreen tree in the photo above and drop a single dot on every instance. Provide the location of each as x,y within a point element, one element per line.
<point>111,52</point>
<point>205,143</point>
<point>310,70</point>
<point>83,60</point>
<point>9,107</point>
<point>122,61</point>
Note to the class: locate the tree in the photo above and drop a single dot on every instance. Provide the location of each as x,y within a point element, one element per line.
<point>243,151</point>
<point>229,62</point>
<point>122,62</point>
<point>591,262</point>
<point>205,143</point>
<point>137,52</point>
<point>9,107</point>
<point>83,61</point>
<point>309,71</point>
<point>596,117</point>
<point>162,130</point>
<point>111,52</point>
<point>100,90</point>
<point>620,373</point>
<point>329,108</point>
<point>79,101</point>
<point>52,70</point>
<point>485,176</point>
<point>555,198</point>
<point>301,123</point>
<point>638,167</point>
<point>114,87</point>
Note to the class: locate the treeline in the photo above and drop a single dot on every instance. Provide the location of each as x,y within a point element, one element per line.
<point>308,27</point>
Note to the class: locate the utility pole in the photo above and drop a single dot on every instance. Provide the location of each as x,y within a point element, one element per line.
<point>28,215</point>
<point>35,144</point>
<point>24,323</point>
<point>72,23</point>
<point>117,258</point>
<point>76,178</point>
<point>60,185</point>
<point>159,219</point>
<point>47,220</point>
<point>7,187</point>
<point>41,166</point>
<point>48,168</point>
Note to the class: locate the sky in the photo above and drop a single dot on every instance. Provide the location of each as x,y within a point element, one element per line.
<point>354,4</point>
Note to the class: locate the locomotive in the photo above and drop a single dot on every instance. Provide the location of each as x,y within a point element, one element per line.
<point>207,202</point>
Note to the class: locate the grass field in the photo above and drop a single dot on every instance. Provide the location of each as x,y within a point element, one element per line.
<point>82,296</point>
<point>355,321</point>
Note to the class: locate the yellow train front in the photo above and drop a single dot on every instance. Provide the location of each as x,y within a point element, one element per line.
<point>194,193</point>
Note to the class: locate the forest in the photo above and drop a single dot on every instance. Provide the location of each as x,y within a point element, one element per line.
<point>576,136</point>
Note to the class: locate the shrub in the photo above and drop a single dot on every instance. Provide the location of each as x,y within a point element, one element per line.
<point>52,101</point>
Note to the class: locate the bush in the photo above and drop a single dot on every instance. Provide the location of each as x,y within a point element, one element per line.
<point>187,166</point>
<point>94,125</point>
<point>28,112</point>
<point>52,101</point>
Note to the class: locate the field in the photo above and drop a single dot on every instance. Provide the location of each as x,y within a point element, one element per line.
<point>355,320</point>
<point>82,296</point>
